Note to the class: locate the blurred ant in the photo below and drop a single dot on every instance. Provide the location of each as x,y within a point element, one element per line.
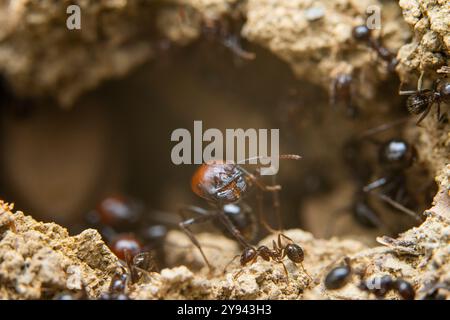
<point>117,288</point>
<point>279,251</point>
<point>432,292</point>
<point>395,156</point>
<point>339,276</point>
<point>221,184</point>
<point>341,90</point>
<point>363,34</point>
<point>115,216</point>
<point>226,30</point>
<point>382,285</point>
<point>421,101</point>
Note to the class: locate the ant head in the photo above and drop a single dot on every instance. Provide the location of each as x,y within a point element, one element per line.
<point>219,182</point>
<point>397,154</point>
<point>294,252</point>
<point>444,90</point>
<point>248,255</point>
<point>361,33</point>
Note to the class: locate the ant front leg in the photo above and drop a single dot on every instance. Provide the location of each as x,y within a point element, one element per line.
<point>184,225</point>
<point>232,229</point>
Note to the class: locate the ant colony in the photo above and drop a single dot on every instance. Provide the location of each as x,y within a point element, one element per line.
<point>293,161</point>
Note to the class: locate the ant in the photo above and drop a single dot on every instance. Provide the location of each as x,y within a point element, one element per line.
<point>115,213</point>
<point>115,216</point>
<point>395,156</point>
<point>279,251</point>
<point>138,265</point>
<point>363,34</point>
<point>338,276</point>
<point>117,288</point>
<point>221,184</point>
<point>382,285</point>
<point>341,90</point>
<point>226,29</point>
<point>421,101</point>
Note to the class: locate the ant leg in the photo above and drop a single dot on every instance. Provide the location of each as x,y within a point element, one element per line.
<point>134,275</point>
<point>398,206</point>
<point>420,81</point>
<point>440,117</point>
<point>285,270</point>
<point>184,225</point>
<point>233,230</point>
<point>193,209</point>
<point>262,219</point>
<point>384,127</point>
<point>376,184</point>
<point>229,263</point>
<point>425,113</point>
<point>304,270</point>
<point>284,236</point>
<point>406,92</point>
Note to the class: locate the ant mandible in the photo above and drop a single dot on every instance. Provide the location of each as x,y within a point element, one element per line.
<point>279,251</point>
<point>421,101</point>
<point>221,184</point>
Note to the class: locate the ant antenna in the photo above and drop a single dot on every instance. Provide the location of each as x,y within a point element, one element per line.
<point>398,206</point>
<point>383,127</point>
<point>281,157</point>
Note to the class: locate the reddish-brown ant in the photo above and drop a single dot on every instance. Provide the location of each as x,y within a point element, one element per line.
<point>421,101</point>
<point>363,34</point>
<point>278,252</point>
<point>126,243</point>
<point>222,183</point>
<point>124,214</point>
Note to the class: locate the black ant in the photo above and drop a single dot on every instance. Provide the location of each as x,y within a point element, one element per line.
<point>421,101</point>
<point>222,183</point>
<point>137,265</point>
<point>278,252</point>
<point>117,288</point>
<point>363,34</point>
<point>382,285</point>
<point>395,156</point>
<point>341,90</point>
<point>338,276</point>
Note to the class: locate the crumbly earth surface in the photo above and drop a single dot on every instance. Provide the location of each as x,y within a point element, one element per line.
<point>39,260</point>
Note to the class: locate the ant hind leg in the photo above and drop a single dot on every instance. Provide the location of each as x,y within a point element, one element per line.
<point>184,225</point>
